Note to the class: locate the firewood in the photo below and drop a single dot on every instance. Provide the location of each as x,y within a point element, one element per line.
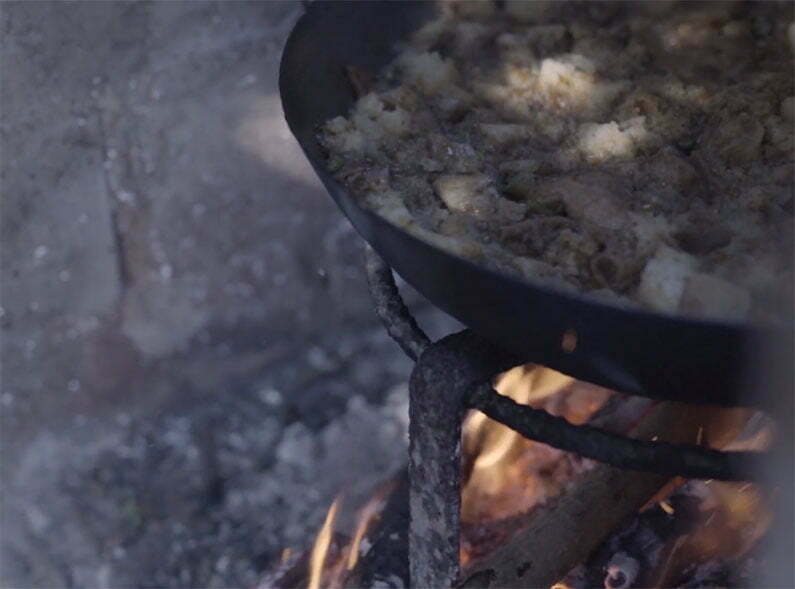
<point>559,535</point>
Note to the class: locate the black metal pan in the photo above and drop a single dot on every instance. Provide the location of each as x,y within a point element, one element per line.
<point>630,350</point>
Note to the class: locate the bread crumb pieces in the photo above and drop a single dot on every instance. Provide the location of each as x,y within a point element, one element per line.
<point>602,142</point>
<point>640,152</point>
<point>664,278</point>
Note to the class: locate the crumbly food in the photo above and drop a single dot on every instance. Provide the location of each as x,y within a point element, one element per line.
<point>641,152</point>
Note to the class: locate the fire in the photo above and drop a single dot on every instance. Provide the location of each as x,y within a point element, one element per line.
<point>737,516</point>
<point>733,517</point>
<point>333,556</point>
<point>367,515</point>
<point>320,549</point>
<point>505,476</point>
<point>508,474</point>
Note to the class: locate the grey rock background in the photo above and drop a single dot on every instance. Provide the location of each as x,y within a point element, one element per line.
<point>191,367</point>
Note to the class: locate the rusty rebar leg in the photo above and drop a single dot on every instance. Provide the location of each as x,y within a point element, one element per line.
<point>689,461</point>
<point>391,309</point>
<point>444,374</point>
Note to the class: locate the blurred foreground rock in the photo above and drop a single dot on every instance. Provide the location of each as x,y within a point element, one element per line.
<point>191,365</point>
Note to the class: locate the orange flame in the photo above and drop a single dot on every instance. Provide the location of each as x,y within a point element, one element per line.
<point>501,481</point>
<point>367,515</point>
<point>504,473</point>
<point>523,384</point>
<point>507,475</point>
<point>321,547</point>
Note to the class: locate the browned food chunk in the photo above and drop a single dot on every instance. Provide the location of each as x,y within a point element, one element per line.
<point>641,151</point>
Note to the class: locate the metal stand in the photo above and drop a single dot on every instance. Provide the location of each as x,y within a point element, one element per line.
<point>454,374</point>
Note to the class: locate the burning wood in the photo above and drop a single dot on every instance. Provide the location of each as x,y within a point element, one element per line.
<point>531,513</point>
<point>656,548</point>
<point>655,554</point>
<point>333,557</point>
<point>367,515</point>
<point>294,570</point>
<point>557,536</point>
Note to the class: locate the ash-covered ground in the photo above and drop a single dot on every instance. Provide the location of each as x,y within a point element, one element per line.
<point>192,368</point>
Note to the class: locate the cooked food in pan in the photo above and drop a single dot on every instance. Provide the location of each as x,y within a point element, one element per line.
<point>637,152</point>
